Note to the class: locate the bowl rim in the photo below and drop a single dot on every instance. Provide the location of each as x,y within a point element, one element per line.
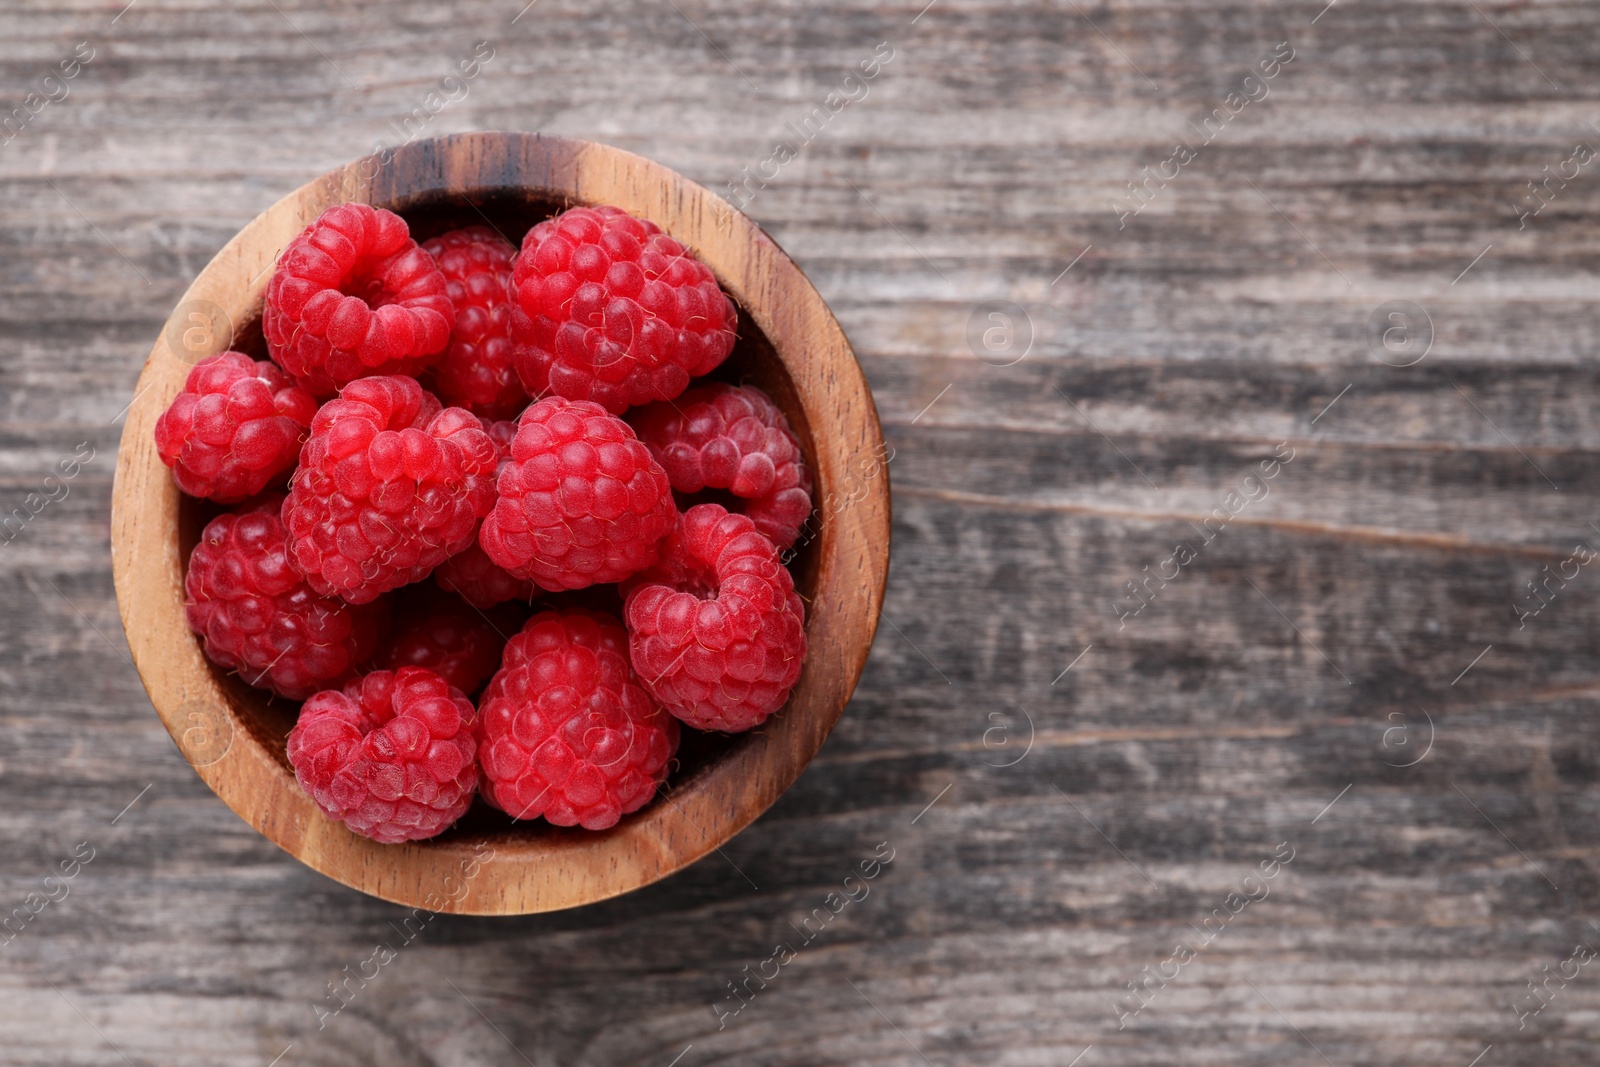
<point>491,874</point>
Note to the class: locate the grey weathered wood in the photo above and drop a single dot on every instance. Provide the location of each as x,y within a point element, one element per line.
<point>1196,739</point>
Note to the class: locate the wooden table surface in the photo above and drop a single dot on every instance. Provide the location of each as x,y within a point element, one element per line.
<point>1321,788</point>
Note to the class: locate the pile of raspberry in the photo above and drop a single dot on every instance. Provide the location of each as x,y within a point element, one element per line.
<point>483,514</point>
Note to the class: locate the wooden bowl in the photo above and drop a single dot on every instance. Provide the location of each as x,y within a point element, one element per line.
<point>790,345</point>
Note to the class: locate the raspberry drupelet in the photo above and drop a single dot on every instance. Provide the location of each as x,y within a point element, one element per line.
<point>435,630</point>
<point>389,487</point>
<point>393,756</point>
<point>353,296</point>
<point>612,310</point>
<point>235,429</point>
<point>471,575</point>
<point>568,732</point>
<point>256,615</point>
<point>581,502</point>
<point>716,629</point>
<point>732,437</point>
<point>475,371</point>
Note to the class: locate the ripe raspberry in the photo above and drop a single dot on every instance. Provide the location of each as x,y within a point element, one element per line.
<point>581,502</point>
<point>259,617</point>
<point>479,580</point>
<point>437,631</point>
<point>476,371</point>
<point>235,428</point>
<point>568,733</point>
<point>733,437</point>
<point>611,309</point>
<point>353,295</point>
<point>470,573</point>
<point>389,487</point>
<point>502,432</point>
<point>717,632</point>
<point>391,757</point>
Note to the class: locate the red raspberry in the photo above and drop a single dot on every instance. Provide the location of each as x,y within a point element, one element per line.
<point>733,437</point>
<point>471,574</point>
<point>437,631</point>
<point>611,309</point>
<point>717,632</point>
<point>581,502</point>
<point>391,757</point>
<point>353,295</point>
<point>568,733</point>
<point>389,487</point>
<point>479,580</point>
<point>502,432</point>
<point>235,428</point>
<point>476,371</point>
<point>259,617</point>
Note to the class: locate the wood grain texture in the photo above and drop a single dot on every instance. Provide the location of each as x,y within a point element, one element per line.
<point>1220,321</point>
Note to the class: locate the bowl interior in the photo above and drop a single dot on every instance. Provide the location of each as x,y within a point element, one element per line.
<point>753,361</point>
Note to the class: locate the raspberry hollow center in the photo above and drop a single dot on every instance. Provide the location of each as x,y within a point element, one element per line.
<point>368,287</point>
<point>699,581</point>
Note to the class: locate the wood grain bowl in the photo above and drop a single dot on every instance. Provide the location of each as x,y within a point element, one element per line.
<point>790,345</point>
